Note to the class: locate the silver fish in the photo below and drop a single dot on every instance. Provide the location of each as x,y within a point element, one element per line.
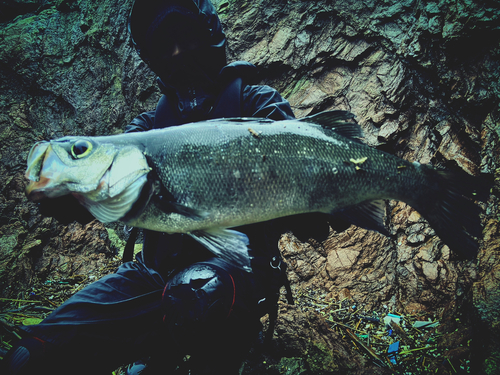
<point>203,178</point>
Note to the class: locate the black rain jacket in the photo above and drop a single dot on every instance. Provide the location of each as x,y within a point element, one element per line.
<point>169,253</point>
<point>228,93</point>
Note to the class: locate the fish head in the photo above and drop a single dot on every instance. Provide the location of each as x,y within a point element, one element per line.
<point>96,170</point>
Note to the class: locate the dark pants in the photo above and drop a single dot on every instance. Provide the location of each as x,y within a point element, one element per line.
<point>117,320</point>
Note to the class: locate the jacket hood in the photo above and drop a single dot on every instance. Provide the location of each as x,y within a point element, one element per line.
<point>146,12</point>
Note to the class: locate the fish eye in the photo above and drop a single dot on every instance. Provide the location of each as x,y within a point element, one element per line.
<point>81,148</point>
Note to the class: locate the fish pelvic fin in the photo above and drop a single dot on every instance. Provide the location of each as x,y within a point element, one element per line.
<point>227,244</point>
<point>452,209</point>
<point>340,122</point>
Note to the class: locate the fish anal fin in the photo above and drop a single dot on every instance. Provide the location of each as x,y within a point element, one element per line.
<point>227,244</point>
<point>369,215</point>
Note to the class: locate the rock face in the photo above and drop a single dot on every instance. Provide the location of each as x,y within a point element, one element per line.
<point>423,82</point>
<point>421,77</point>
<point>65,68</point>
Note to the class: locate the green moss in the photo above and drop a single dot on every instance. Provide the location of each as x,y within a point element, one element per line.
<point>6,132</point>
<point>117,83</point>
<point>115,240</point>
<point>21,23</point>
<point>15,36</point>
<point>223,7</point>
<point>119,244</point>
<point>492,364</point>
<point>301,85</point>
<point>320,359</point>
<point>292,366</point>
<point>7,244</point>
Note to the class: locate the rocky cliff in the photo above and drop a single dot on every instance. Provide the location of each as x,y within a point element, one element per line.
<point>421,77</point>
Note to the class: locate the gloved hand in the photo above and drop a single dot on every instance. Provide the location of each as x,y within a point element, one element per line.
<point>65,209</point>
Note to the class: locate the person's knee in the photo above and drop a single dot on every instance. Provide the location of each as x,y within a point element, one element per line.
<point>196,301</point>
<point>25,356</point>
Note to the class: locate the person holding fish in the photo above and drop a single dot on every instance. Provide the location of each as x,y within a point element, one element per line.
<point>176,299</point>
<point>198,288</point>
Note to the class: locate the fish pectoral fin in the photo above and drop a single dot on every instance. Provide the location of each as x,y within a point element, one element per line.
<point>368,215</point>
<point>227,244</point>
<point>187,211</point>
<point>341,122</point>
<point>174,207</point>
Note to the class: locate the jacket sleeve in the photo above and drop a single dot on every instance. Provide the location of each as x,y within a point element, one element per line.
<point>141,123</point>
<point>264,101</point>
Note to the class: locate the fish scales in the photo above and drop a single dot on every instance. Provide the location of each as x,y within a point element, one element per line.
<point>205,177</point>
<point>238,179</point>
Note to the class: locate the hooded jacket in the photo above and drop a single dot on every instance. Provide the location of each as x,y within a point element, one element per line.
<point>195,101</point>
<point>148,14</point>
<point>253,101</point>
<point>231,95</point>
<point>161,250</point>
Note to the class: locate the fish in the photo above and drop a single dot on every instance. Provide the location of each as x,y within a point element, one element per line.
<point>207,178</point>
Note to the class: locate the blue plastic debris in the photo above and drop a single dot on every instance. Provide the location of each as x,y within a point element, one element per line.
<point>393,351</point>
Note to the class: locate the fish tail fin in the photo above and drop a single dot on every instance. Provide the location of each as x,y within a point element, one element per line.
<point>452,209</point>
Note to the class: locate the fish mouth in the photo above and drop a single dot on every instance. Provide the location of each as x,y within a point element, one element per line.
<point>36,159</point>
<point>33,192</point>
<point>43,184</point>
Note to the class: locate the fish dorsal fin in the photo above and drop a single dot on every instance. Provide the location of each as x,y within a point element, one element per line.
<point>341,122</point>
<point>368,215</point>
<point>227,244</point>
